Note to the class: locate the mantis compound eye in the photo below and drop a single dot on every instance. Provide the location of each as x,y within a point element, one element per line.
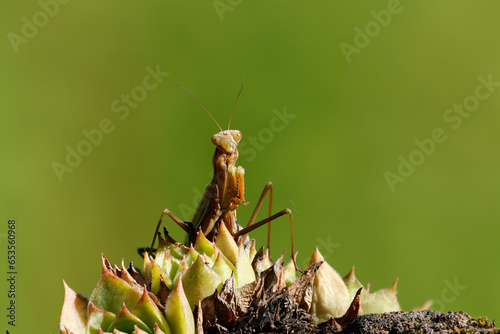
<point>237,135</point>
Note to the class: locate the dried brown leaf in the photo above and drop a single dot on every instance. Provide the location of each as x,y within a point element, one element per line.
<point>301,290</point>
<point>208,309</point>
<point>226,315</point>
<point>220,309</point>
<point>353,311</point>
<point>228,292</point>
<point>198,314</point>
<point>163,291</point>
<point>274,280</point>
<point>246,296</point>
<point>136,275</point>
<point>258,262</point>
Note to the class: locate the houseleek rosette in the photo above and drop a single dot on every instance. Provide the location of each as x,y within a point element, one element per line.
<point>178,287</point>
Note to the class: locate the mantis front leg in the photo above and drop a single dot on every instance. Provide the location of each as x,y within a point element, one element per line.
<point>185,226</point>
<point>207,213</point>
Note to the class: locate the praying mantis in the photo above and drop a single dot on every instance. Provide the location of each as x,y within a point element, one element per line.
<point>224,193</point>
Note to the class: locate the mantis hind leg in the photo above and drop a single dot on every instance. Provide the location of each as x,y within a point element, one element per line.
<point>252,225</point>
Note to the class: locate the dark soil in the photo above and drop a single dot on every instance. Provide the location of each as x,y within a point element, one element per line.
<point>282,316</point>
<point>419,322</point>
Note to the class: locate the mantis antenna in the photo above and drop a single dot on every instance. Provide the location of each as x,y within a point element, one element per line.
<point>203,106</point>
<point>234,106</point>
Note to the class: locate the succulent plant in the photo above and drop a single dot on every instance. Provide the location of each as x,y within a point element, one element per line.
<point>211,285</point>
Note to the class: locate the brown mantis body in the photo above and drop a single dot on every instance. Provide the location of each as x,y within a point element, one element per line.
<point>224,193</point>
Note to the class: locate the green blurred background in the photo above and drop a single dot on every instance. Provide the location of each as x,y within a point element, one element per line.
<point>355,114</point>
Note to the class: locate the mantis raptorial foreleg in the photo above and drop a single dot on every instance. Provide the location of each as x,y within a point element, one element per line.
<point>208,210</point>
<point>187,227</point>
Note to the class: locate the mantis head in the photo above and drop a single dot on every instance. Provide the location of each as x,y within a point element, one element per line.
<point>227,140</point>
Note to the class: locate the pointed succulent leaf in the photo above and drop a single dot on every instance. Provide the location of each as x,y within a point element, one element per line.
<point>253,250</point>
<point>243,273</point>
<point>169,265</point>
<point>218,252</point>
<point>330,296</point>
<point>74,312</point>
<point>176,249</point>
<point>267,262</point>
<point>221,268</point>
<point>290,273</point>
<point>65,331</point>
<point>191,256</point>
<point>382,301</point>
<point>178,312</point>
<point>126,322</point>
<point>160,257</point>
<point>208,260</point>
<point>226,244</point>
<point>98,319</point>
<point>147,270</point>
<point>112,292</point>
<point>125,275</point>
<point>426,306</point>
<point>183,267</point>
<point>352,284</point>
<point>156,274</point>
<point>200,281</point>
<point>137,330</point>
<point>148,312</point>
<point>203,246</point>
<point>158,330</point>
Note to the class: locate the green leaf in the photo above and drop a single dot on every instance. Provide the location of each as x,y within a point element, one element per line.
<point>148,312</point>
<point>156,274</point>
<point>191,256</point>
<point>382,301</point>
<point>200,281</point>
<point>176,249</point>
<point>290,273</point>
<point>169,265</point>
<point>203,246</point>
<point>266,260</point>
<point>253,251</point>
<point>330,296</point>
<point>353,284</point>
<point>112,292</point>
<point>178,312</point>
<point>147,271</point>
<point>126,322</point>
<point>158,330</point>
<point>98,319</point>
<point>226,244</point>
<point>222,268</point>
<point>183,267</point>
<point>243,273</point>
